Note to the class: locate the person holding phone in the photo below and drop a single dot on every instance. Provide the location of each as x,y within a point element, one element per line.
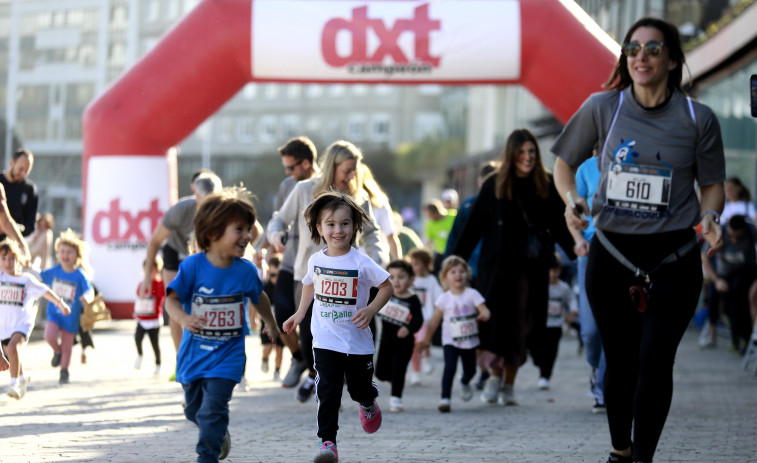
<point>644,269</point>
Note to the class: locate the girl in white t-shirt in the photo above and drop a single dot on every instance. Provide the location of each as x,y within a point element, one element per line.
<point>458,309</point>
<point>18,296</point>
<point>338,283</point>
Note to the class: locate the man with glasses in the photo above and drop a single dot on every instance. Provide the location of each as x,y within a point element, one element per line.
<point>298,156</point>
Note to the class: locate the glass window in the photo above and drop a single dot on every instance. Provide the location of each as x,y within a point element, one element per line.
<point>245,129</point>
<point>380,127</point>
<point>429,126</point>
<point>271,91</point>
<point>314,90</point>
<point>359,89</point>
<point>152,11</point>
<point>293,91</point>
<point>267,129</point>
<point>356,127</point>
<point>225,129</point>
<point>250,91</point>
<point>336,89</point>
<point>173,9</point>
<point>290,126</point>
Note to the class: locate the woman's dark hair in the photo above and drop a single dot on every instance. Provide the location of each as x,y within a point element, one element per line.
<point>506,172</point>
<point>621,78</point>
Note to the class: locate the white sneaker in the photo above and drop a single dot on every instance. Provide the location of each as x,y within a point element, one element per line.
<point>25,385</point>
<point>156,371</point>
<point>277,375</point>
<point>395,404</point>
<point>506,395</point>
<point>415,378</point>
<point>427,366</point>
<point>14,391</point>
<point>491,388</point>
<point>138,362</point>
<point>243,385</point>
<point>444,405</point>
<point>264,365</point>
<point>543,384</point>
<point>467,391</point>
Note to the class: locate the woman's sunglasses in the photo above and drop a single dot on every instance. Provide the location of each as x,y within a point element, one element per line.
<point>651,48</point>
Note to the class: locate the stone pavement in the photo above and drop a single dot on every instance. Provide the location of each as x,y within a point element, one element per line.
<point>112,413</point>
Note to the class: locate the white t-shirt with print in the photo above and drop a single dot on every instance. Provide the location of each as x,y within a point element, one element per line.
<point>341,286</point>
<point>18,310</point>
<point>459,325</point>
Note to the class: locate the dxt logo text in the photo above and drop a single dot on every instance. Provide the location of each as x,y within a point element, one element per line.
<point>117,225</point>
<point>358,26</point>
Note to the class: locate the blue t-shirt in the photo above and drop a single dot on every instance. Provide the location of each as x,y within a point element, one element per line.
<point>587,179</point>
<point>69,286</point>
<point>221,295</point>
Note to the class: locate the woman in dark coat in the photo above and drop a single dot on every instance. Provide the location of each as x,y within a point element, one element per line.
<point>515,286</point>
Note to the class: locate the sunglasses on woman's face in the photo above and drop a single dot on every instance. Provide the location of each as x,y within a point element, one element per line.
<point>650,48</point>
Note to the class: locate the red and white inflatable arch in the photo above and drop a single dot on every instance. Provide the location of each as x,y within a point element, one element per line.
<point>549,46</point>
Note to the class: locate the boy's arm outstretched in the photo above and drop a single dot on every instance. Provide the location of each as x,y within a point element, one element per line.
<point>362,317</point>
<point>308,291</point>
<point>55,299</point>
<point>263,308</point>
<point>191,322</point>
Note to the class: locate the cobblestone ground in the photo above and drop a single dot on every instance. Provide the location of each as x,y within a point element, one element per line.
<point>113,413</point>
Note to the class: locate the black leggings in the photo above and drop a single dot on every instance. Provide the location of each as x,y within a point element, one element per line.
<point>640,348</point>
<point>152,333</point>
<point>392,361</point>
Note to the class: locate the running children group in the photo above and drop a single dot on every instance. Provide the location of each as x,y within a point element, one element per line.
<point>335,276</point>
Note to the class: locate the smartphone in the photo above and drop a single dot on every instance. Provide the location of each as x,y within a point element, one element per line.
<point>753,92</point>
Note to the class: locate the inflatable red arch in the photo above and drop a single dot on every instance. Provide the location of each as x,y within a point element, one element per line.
<point>551,47</point>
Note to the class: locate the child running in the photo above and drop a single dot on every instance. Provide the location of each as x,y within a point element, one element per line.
<point>562,301</point>
<point>340,278</point>
<point>18,310</point>
<point>208,298</point>
<point>70,282</point>
<point>401,317</point>
<point>427,288</point>
<point>268,344</point>
<point>459,309</point>
<point>149,313</point>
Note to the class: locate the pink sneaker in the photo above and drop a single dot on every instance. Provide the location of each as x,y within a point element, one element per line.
<point>327,454</point>
<point>370,417</point>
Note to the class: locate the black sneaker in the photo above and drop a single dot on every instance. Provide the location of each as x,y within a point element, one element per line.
<point>226,446</point>
<point>56,359</point>
<point>615,458</point>
<point>63,377</point>
<point>306,390</point>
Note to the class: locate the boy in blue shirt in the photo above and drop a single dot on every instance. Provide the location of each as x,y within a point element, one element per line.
<point>208,298</point>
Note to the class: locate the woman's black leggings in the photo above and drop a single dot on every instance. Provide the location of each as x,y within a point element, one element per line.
<point>640,348</point>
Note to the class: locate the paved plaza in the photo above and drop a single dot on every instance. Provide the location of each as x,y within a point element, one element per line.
<point>113,413</point>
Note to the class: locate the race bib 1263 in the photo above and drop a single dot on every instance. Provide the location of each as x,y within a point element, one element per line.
<point>224,315</point>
